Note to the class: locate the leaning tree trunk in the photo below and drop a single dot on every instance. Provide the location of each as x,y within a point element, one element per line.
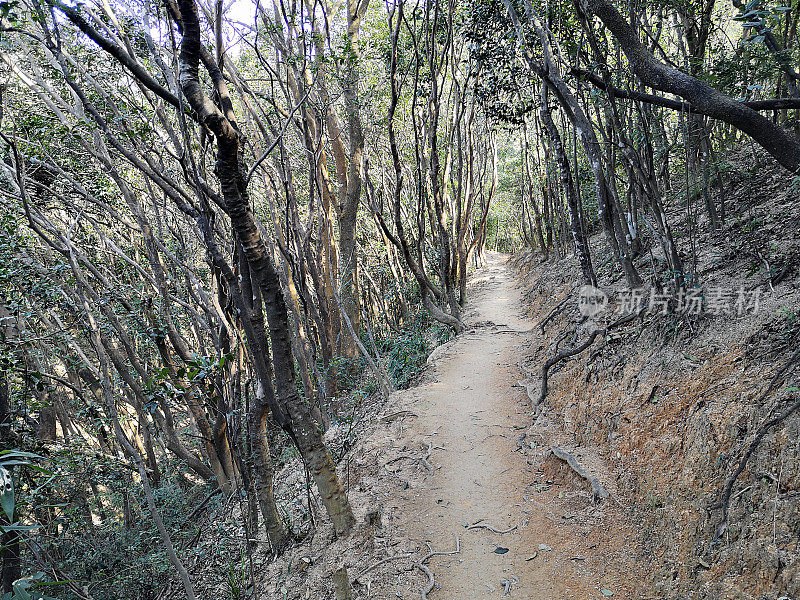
<point>782,145</point>
<point>233,184</point>
<point>567,182</point>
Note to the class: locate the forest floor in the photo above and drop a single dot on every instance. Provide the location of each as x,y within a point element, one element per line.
<point>474,416</point>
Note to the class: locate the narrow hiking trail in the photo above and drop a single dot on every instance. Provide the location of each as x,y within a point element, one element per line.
<point>485,469</point>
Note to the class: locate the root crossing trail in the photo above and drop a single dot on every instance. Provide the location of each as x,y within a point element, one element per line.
<point>486,471</point>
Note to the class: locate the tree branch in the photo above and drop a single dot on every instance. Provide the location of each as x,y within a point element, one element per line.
<point>597,81</point>
<point>783,146</point>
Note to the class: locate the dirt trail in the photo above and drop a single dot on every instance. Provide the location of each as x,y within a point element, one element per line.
<point>475,415</point>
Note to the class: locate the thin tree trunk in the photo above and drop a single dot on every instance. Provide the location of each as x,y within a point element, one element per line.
<point>568,184</point>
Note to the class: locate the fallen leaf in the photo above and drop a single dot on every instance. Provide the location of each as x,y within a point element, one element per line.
<point>500,550</point>
<point>532,556</point>
<point>606,592</point>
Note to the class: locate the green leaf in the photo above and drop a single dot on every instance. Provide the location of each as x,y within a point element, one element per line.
<point>606,592</point>
<point>18,453</point>
<point>4,528</point>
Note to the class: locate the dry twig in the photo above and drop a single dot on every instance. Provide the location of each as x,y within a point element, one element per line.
<point>421,566</point>
<point>374,566</point>
<point>399,413</point>
<point>424,459</point>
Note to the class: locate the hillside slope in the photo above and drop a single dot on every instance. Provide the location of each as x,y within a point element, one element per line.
<point>675,401</point>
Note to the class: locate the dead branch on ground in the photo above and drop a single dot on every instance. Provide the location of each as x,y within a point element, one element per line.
<point>479,525</point>
<point>374,566</point>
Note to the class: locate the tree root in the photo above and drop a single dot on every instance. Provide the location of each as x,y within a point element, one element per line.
<point>725,498</point>
<point>396,458</point>
<point>598,491</point>
<point>725,501</point>
<point>374,566</point>
<point>558,358</point>
<point>490,528</point>
<point>424,459</point>
<point>551,315</point>
<point>431,580</point>
<point>428,447</point>
<point>551,362</point>
<point>507,583</point>
<point>398,414</point>
<point>421,566</point>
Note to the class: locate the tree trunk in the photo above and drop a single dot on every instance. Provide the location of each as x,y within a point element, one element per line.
<point>568,184</point>
<point>302,427</point>
<point>783,146</point>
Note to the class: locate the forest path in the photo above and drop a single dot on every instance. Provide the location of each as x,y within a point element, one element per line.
<point>474,415</point>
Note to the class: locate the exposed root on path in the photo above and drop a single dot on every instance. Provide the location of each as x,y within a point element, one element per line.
<point>431,580</point>
<point>428,447</point>
<point>396,415</point>
<point>598,491</point>
<point>421,566</point>
<point>479,525</point>
<point>424,459</point>
<point>507,583</point>
<point>374,566</point>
